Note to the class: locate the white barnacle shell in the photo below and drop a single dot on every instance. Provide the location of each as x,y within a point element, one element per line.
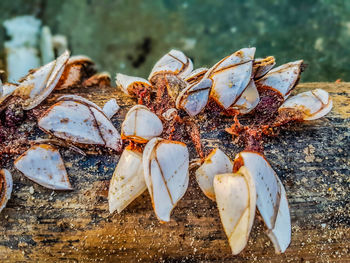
<point>141,125</point>
<point>217,162</point>
<point>6,185</point>
<point>165,166</point>
<point>248,100</point>
<point>283,78</point>
<point>236,201</point>
<point>261,66</point>
<point>271,198</point>
<point>76,68</point>
<point>43,164</point>
<point>127,182</point>
<point>38,84</point>
<point>110,108</point>
<point>231,76</point>
<point>78,120</point>
<point>7,89</point>
<point>280,235</point>
<point>312,104</point>
<point>194,98</point>
<point>128,84</point>
<point>174,62</point>
<point>196,75</point>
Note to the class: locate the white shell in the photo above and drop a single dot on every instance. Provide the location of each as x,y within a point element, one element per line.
<point>194,98</point>
<point>248,100</point>
<point>236,201</point>
<point>217,162</point>
<point>5,187</point>
<point>128,83</point>
<point>283,78</point>
<point>38,85</point>
<point>231,76</point>
<point>174,62</point>
<point>141,125</point>
<point>110,108</point>
<point>281,234</point>
<point>80,122</point>
<point>43,164</point>
<point>7,89</point>
<point>165,165</point>
<point>127,182</point>
<point>270,194</point>
<point>261,66</point>
<point>313,104</point>
<point>196,75</point>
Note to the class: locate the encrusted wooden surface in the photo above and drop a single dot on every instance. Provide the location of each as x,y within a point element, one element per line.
<point>312,160</point>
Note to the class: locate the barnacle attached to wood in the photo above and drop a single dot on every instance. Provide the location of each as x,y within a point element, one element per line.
<point>165,167</point>
<point>217,162</point>
<point>309,105</point>
<point>271,198</point>
<point>43,164</point>
<point>236,200</point>
<point>80,121</point>
<point>132,86</point>
<point>194,98</point>
<point>175,63</point>
<point>128,181</point>
<point>231,76</point>
<point>141,125</point>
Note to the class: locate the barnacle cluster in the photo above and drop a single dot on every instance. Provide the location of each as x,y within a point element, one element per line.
<point>156,131</point>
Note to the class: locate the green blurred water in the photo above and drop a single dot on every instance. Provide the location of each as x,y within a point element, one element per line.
<point>129,36</point>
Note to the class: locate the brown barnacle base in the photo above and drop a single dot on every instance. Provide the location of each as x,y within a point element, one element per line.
<point>270,101</point>
<point>251,138</point>
<point>215,113</point>
<point>286,116</point>
<point>264,121</point>
<point>16,126</point>
<point>259,123</point>
<point>163,100</point>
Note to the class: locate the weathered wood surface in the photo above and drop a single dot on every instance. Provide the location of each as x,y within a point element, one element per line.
<point>312,160</point>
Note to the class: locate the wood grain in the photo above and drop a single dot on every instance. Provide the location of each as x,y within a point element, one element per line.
<point>312,160</point>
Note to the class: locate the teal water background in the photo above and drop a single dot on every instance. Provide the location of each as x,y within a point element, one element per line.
<point>129,36</point>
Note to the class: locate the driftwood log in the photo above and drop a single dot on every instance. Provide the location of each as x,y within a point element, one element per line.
<point>312,160</point>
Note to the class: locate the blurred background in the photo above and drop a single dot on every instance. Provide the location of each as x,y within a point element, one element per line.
<point>129,36</point>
